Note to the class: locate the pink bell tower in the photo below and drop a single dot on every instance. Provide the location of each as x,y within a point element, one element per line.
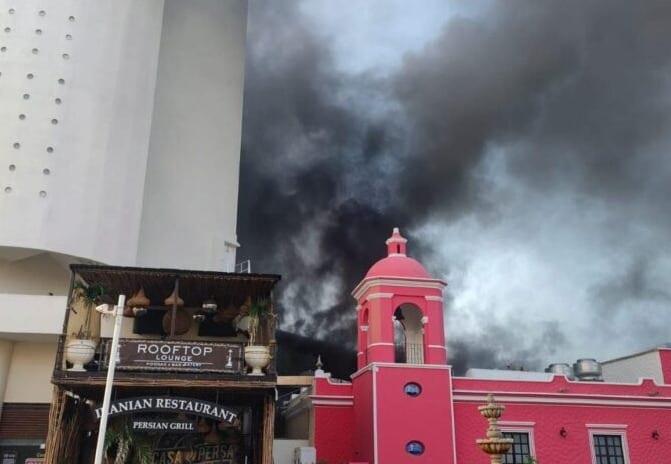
<point>402,388</point>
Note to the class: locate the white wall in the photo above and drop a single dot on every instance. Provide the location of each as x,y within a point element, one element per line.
<point>38,274</point>
<point>6,348</point>
<point>283,450</point>
<point>31,314</point>
<point>191,191</point>
<point>29,379</point>
<point>88,202</point>
<point>632,368</point>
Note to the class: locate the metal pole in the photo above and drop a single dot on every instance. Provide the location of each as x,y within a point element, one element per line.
<point>118,318</point>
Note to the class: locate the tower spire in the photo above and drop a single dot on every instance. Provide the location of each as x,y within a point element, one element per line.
<point>396,244</point>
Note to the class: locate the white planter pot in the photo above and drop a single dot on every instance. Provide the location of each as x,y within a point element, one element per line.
<point>79,352</point>
<point>257,357</point>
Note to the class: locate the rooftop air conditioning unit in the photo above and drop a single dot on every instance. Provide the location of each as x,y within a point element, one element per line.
<point>588,369</point>
<point>561,369</point>
<point>305,455</point>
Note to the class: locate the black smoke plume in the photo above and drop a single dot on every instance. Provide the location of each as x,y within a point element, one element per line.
<point>524,106</point>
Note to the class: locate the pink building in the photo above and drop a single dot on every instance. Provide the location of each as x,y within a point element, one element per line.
<point>403,405</point>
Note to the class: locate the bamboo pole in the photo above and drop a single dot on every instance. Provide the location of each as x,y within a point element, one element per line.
<point>268,430</point>
<point>54,441</point>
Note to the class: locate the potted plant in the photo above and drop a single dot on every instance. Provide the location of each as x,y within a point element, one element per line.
<point>122,446</point>
<point>80,347</point>
<point>257,356</point>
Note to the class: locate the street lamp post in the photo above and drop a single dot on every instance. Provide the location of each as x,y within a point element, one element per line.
<point>118,318</point>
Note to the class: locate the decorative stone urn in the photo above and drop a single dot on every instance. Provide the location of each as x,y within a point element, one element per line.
<point>257,357</point>
<point>79,351</point>
<point>494,445</point>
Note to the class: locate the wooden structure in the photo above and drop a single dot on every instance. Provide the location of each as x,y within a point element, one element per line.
<point>206,364</point>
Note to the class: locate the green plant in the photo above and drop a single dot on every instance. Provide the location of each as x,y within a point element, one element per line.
<point>258,311</point>
<point>124,447</point>
<point>531,460</point>
<point>88,296</point>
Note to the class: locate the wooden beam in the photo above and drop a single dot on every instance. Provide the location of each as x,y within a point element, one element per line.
<point>295,380</point>
<point>52,452</point>
<point>158,382</point>
<point>268,430</point>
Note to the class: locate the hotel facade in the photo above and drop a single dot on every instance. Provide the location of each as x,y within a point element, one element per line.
<point>120,127</point>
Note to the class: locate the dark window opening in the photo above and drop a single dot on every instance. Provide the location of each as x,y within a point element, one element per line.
<point>520,452</point>
<point>412,389</point>
<point>415,448</point>
<point>608,449</point>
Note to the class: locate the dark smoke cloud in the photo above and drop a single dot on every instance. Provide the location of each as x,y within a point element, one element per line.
<point>530,138</point>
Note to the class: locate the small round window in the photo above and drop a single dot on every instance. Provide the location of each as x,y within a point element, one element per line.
<point>412,389</point>
<point>415,448</point>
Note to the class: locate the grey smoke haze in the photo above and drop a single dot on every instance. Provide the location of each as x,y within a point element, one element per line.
<point>523,147</point>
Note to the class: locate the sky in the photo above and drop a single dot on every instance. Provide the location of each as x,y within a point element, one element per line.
<point>521,146</point>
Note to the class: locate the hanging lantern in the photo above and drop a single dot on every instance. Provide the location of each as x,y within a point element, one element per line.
<point>138,304</point>
<point>182,321</point>
<point>210,306</point>
<point>173,300</point>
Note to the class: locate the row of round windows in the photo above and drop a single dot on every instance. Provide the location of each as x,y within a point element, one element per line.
<point>36,51</point>
<point>45,171</point>
<point>42,193</point>
<point>26,96</point>
<point>17,146</point>
<point>414,447</point>
<point>12,11</point>
<point>38,31</point>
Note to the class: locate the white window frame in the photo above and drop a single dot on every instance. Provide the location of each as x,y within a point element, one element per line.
<point>608,429</point>
<point>521,427</point>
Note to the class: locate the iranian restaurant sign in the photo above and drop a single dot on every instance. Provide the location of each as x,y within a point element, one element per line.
<point>158,355</point>
<point>169,404</point>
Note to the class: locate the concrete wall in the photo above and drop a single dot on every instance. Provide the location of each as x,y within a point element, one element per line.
<point>24,315</point>
<point>6,348</point>
<point>39,274</point>
<point>29,379</point>
<point>283,450</point>
<point>631,369</point>
<point>72,170</point>
<point>191,191</point>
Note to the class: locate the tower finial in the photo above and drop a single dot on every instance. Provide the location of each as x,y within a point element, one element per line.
<point>396,244</point>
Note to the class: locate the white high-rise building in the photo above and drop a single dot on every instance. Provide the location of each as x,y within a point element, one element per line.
<point>120,128</point>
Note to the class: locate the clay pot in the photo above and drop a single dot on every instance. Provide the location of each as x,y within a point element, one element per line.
<point>182,321</point>
<point>139,300</point>
<point>170,301</point>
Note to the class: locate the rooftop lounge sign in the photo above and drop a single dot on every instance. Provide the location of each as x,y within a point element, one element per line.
<point>179,356</point>
<point>170,404</point>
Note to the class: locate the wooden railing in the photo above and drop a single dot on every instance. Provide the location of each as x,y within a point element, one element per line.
<point>166,358</point>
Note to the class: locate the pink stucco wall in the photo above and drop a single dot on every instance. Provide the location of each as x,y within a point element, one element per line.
<point>426,418</point>
<point>333,420</point>
<point>548,420</point>
<point>543,408</point>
